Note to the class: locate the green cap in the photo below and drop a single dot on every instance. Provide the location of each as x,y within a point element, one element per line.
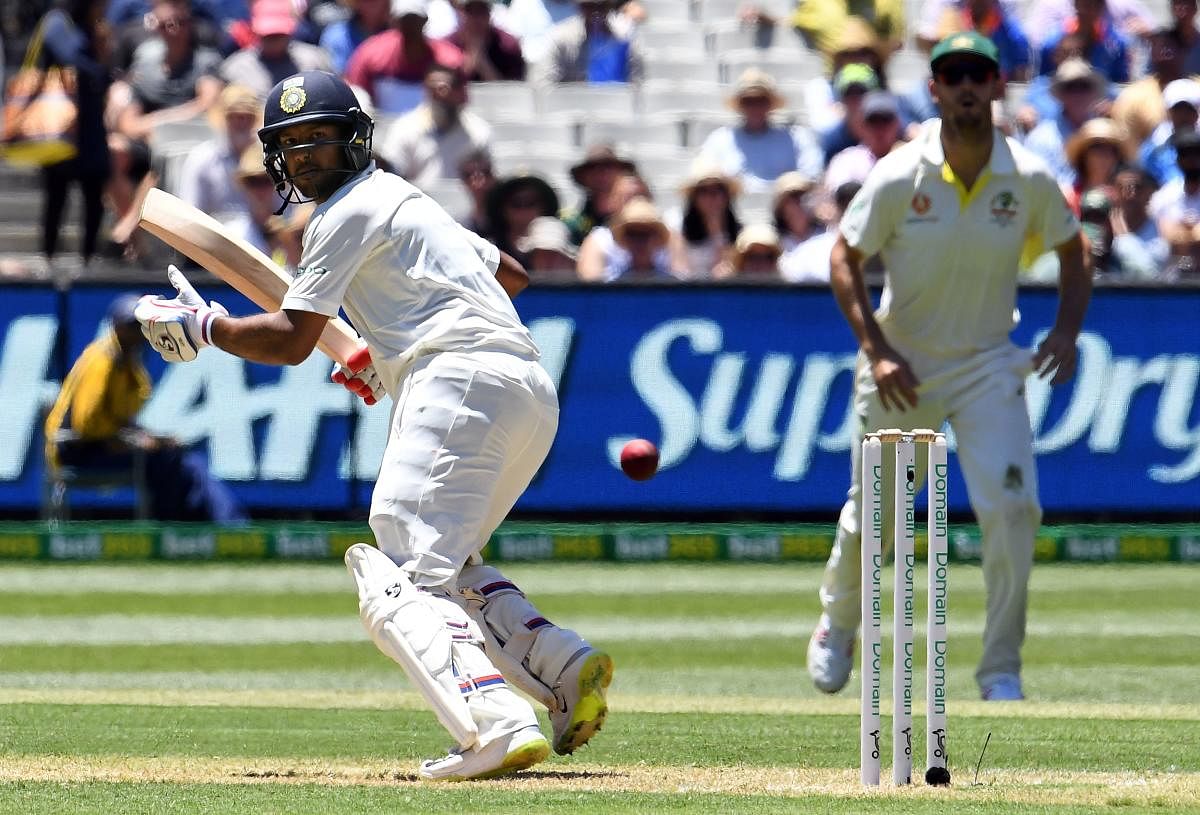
<point>856,73</point>
<point>965,42</point>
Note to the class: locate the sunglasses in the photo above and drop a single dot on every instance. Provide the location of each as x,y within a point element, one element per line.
<point>710,189</point>
<point>639,234</point>
<point>765,256</point>
<point>524,203</point>
<point>880,119</point>
<point>954,74</point>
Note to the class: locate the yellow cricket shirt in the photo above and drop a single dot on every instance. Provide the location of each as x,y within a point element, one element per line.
<point>102,394</point>
<point>952,255</point>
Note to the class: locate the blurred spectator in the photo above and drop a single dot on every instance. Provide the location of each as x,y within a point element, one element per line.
<point>857,43</point>
<point>93,426</point>
<point>551,254</point>
<point>851,83</point>
<point>880,131</point>
<point>1095,218</point>
<point>1095,152</point>
<point>391,65</point>
<point>1183,24</point>
<point>708,223</point>
<point>489,53</point>
<point>477,175</point>
<point>276,55</point>
<point>639,230</point>
<point>1176,209</point>
<point>428,144</point>
<point>276,235</point>
<point>206,180</point>
<point>1142,250</point>
<point>757,151</point>
<point>1135,234</point>
<point>339,39</point>
<point>1182,101</point>
<point>755,256</point>
<point>821,21</point>
<point>172,79</point>
<point>533,22</point>
<point>1139,107</point>
<point>512,206</point>
<point>1078,89</point>
<point>1046,18</point>
<point>589,48</point>
<point>601,258</point>
<point>793,216</point>
<point>130,32</point>
<point>991,19</point>
<point>809,262</point>
<point>1104,47</point>
<point>78,37</point>
<point>595,174</point>
<point>130,180</point>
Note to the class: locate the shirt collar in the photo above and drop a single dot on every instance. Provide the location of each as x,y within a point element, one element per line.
<point>343,190</point>
<point>1000,163</point>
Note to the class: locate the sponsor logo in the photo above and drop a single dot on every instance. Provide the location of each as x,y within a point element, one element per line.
<point>921,203</point>
<point>313,270</point>
<point>940,750</point>
<point>1004,208</point>
<point>394,590</point>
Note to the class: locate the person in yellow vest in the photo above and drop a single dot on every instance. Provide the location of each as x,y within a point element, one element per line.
<point>93,425</point>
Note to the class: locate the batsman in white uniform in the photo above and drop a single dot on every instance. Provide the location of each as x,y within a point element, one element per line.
<point>474,416</point>
<point>950,213</point>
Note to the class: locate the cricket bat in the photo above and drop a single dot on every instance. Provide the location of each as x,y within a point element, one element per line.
<point>206,241</point>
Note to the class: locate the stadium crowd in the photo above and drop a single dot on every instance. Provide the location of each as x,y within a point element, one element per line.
<point>601,141</point>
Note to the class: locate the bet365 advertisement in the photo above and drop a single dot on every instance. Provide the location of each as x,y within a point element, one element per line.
<point>746,391</point>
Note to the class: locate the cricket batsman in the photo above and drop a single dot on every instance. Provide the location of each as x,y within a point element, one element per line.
<point>950,213</point>
<point>474,416</point>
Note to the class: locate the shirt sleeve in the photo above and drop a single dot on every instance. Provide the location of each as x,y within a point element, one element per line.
<point>868,222</point>
<point>335,245</point>
<point>486,250</point>
<point>1056,222</point>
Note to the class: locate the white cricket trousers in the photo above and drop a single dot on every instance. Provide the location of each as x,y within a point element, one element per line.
<point>983,399</point>
<point>469,431</point>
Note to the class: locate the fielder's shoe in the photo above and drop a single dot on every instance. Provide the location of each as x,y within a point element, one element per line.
<point>582,706</point>
<point>501,756</point>
<point>830,655</point>
<point>1002,688</point>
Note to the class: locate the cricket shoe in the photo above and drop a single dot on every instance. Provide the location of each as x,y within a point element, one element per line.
<point>830,655</point>
<point>1002,688</point>
<point>500,756</point>
<point>582,705</point>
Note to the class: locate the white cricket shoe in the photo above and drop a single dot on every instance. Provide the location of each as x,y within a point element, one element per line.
<point>831,655</point>
<point>1002,688</point>
<point>582,705</point>
<point>500,756</point>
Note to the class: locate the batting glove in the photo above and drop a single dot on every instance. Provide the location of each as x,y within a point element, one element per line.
<point>178,328</point>
<point>359,376</point>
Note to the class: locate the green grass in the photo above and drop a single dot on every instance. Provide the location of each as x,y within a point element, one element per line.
<point>252,688</point>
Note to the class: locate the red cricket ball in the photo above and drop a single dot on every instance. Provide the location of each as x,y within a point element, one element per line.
<point>639,459</point>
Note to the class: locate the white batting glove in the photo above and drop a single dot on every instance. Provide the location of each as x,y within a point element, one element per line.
<point>178,328</point>
<point>359,377</point>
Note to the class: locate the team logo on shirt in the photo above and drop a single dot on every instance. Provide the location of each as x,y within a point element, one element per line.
<point>1004,208</point>
<point>921,203</point>
<point>292,99</point>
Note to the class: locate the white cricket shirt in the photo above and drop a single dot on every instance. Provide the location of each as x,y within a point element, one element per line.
<point>411,279</point>
<point>952,256</point>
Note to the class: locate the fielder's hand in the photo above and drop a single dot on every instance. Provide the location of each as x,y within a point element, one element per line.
<point>895,380</point>
<point>359,377</point>
<point>178,328</point>
<point>1056,357</point>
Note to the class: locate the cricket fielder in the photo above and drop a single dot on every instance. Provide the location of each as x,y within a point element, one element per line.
<point>950,213</point>
<point>474,416</point>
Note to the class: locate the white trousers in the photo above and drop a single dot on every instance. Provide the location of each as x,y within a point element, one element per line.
<point>468,433</point>
<point>983,399</point>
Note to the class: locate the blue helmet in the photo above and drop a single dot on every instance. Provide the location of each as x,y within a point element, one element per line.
<point>313,96</point>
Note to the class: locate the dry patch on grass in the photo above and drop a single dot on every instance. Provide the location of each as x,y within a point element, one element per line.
<point>406,700</point>
<point>1002,787</point>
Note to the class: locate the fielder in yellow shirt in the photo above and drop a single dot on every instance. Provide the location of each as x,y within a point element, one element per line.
<point>950,214</point>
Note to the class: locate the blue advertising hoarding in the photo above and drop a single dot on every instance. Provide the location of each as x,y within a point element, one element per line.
<point>745,390</point>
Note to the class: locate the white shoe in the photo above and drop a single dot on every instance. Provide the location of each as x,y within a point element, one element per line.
<point>1002,688</point>
<point>500,756</point>
<point>580,693</point>
<point>830,655</point>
